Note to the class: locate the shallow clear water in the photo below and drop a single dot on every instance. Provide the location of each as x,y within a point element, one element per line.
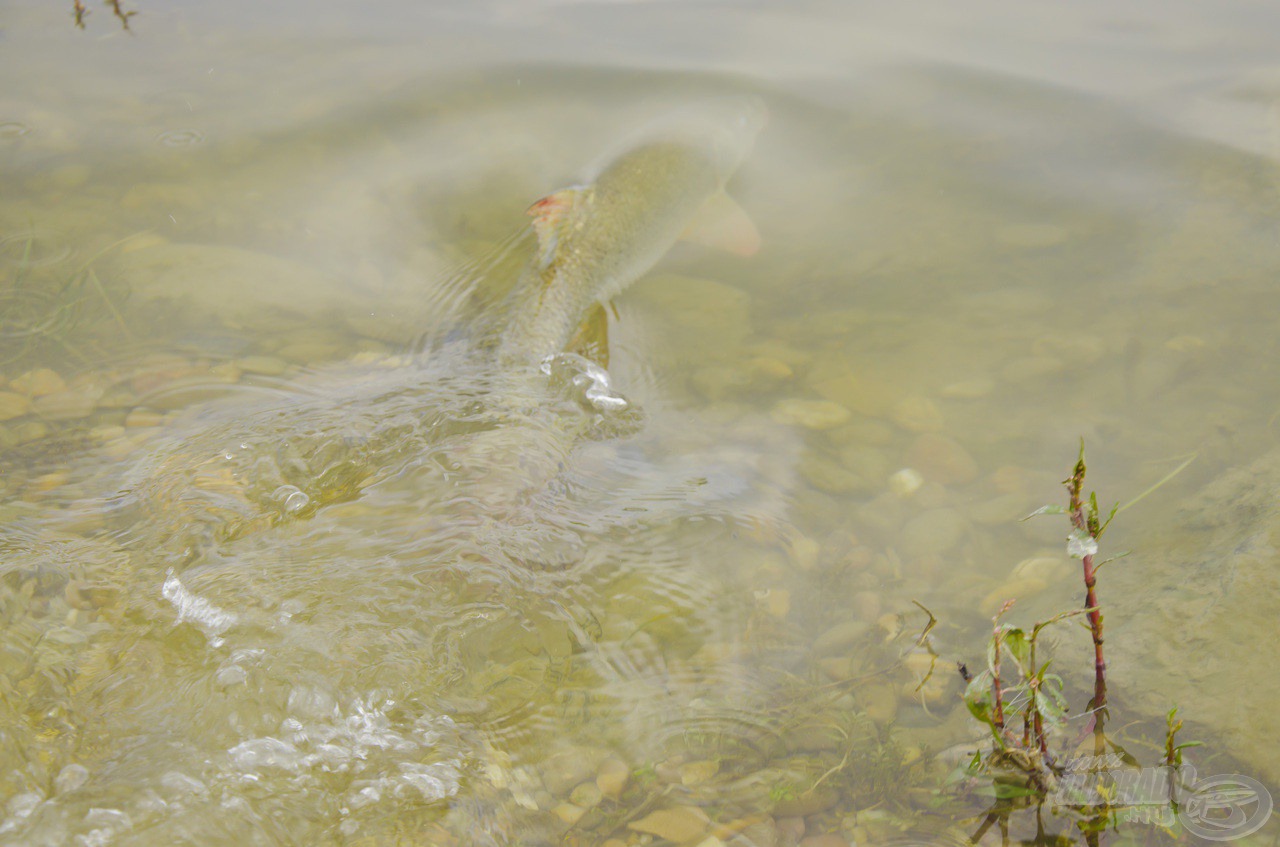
<point>272,575</point>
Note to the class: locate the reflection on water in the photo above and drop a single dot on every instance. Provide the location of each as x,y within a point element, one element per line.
<point>289,558</point>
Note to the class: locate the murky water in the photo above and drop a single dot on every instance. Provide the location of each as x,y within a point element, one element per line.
<point>289,559</point>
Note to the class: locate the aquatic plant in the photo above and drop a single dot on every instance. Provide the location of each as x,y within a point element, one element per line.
<point>80,12</point>
<point>1037,764</point>
<point>43,307</point>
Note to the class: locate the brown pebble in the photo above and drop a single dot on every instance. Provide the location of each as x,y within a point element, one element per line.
<point>790,830</point>
<point>865,605</point>
<point>811,414</point>
<point>880,702</point>
<point>835,668</point>
<point>680,824</point>
<point>774,601</point>
<point>612,777</point>
<point>13,405</point>
<point>917,414</point>
<point>934,531</point>
<point>64,405</point>
<point>829,839</point>
<point>142,417</point>
<point>586,795</point>
<point>806,803</point>
<point>263,365</point>
<point>39,382</point>
<point>49,481</point>
<point>942,460</point>
<point>841,637</point>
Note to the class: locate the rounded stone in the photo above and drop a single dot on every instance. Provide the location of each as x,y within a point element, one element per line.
<point>681,824</point>
<point>612,777</point>
<point>811,414</point>
<point>586,795</point>
<point>63,405</point>
<point>934,531</point>
<point>1032,368</point>
<point>942,460</point>
<point>906,482</point>
<point>969,389</point>
<point>39,382</point>
<point>13,405</point>
<point>141,417</point>
<point>827,839</point>
<point>917,414</point>
<point>70,778</point>
<point>263,365</point>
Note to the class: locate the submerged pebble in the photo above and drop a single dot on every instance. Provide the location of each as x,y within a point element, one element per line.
<point>934,531</point>
<point>942,460</point>
<point>70,778</point>
<point>917,414</point>
<point>64,405</point>
<point>262,365</point>
<point>906,482</point>
<point>811,414</point>
<point>140,417</point>
<point>39,382</point>
<point>680,824</point>
<point>13,405</point>
<point>612,778</point>
<point>969,389</point>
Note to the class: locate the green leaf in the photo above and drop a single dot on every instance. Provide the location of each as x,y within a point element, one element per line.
<point>1107,522</point>
<point>1098,565</point>
<point>1008,790</point>
<point>1045,510</point>
<point>1018,645</point>
<point>977,697</point>
<point>1050,710</point>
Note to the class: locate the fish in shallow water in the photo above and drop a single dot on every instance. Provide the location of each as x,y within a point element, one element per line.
<point>596,239</point>
<point>475,411</point>
<point>379,630</point>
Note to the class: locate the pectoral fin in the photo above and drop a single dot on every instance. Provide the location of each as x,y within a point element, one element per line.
<point>550,215</point>
<point>591,339</point>
<point>721,223</point>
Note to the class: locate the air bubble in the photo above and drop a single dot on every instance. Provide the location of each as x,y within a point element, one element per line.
<point>292,499</point>
<point>585,381</point>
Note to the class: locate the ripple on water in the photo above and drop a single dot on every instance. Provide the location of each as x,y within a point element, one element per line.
<point>34,248</point>
<point>13,130</point>
<point>25,312</point>
<point>180,138</point>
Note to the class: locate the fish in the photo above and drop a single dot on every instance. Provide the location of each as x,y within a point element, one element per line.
<point>247,463</point>
<point>597,238</point>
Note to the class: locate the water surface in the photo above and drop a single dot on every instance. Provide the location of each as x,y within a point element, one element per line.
<point>272,574</point>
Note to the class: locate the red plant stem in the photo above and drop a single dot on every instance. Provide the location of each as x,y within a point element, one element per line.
<point>997,692</point>
<point>1074,486</point>
<point>1095,626</point>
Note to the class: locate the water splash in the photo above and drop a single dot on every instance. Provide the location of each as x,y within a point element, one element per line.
<point>584,381</point>
<point>211,620</point>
